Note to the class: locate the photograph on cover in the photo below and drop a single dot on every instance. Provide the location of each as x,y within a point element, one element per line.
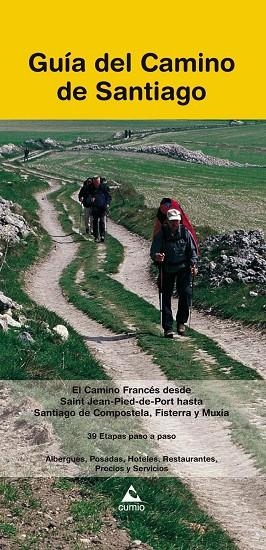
<point>132,334</point>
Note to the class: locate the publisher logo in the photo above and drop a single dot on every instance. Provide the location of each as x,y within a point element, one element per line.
<point>131,502</point>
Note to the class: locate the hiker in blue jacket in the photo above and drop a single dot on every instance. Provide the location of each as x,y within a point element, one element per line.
<point>174,251</point>
<point>96,197</point>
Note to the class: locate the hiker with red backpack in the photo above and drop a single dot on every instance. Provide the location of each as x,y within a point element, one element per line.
<point>166,204</point>
<point>175,253</point>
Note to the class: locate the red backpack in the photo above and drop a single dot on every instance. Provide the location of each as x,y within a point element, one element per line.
<point>165,205</point>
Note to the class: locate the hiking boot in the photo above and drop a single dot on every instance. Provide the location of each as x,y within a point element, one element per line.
<point>87,230</point>
<point>168,333</point>
<point>102,239</point>
<point>181,329</point>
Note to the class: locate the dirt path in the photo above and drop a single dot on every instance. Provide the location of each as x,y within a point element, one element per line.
<point>241,343</point>
<point>244,344</point>
<point>235,503</point>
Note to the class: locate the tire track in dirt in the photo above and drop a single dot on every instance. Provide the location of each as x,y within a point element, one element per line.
<point>235,503</point>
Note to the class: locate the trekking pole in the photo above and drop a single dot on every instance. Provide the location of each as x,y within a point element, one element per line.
<point>161,294</point>
<point>105,223</point>
<point>191,301</point>
<point>80,217</point>
<point>89,222</point>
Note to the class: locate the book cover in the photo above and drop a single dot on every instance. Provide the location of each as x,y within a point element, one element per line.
<point>132,276</point>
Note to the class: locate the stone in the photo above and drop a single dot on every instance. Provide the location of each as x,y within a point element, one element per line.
<point>26,337</point>
<point>9,149</point>
<point>3,324</point>
<point>13,226</point>
<point>7,304</point>
<point>239,256</point>
<point>62,331</point>
<point>10,321</point>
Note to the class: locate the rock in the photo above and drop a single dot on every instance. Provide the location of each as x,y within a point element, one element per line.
<point>13,227</point>
<point>3,324</point>
<point>7,304</point>
<point>10,321</point>
<point>26,337</point>
<point>22,320</point>
<point>22,536</point>
<point>80,141</point>
<point>41,144</point>
<point>252,293</point>
<point>9,149</point>
<point>236,122</point>
<point>86,541</point>
<point>239,256</point>
<point>41,434</point>
<point>62,331</point>
<point>176,151</point>
<point>50,142</point>
<point>224,258</point>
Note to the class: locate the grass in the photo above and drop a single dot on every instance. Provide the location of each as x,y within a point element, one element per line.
<point>8,491</point>
<point>88,513</point>
<point>15,496</point>
<point>90,503</point>
<point>184,526</point>
<point>236,304</point>
<point>7,529</point>
<point>232,143</point>
<point>94,130</point>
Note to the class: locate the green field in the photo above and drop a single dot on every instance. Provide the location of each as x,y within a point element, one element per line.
<point>224,198</point>
<point>233,143</point>
<point>17,131</point>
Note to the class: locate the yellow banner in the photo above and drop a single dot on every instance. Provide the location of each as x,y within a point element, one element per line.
<point>134,60</point>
